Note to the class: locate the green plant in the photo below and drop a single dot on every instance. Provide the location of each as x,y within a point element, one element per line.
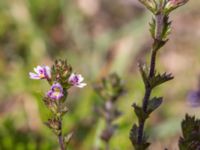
<point>160,28</point>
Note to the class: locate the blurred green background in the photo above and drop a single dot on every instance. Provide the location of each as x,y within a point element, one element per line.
<point>97,37</point>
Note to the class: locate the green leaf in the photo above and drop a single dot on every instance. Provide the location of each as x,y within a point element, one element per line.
<point>153,104</point>
<point>152,28</point>
<point>134,134</point>
<point>142,146</point>
<point>160,79</point>
<point>143,72</point>
<point>166,28</point>
<point>134,137</point>
<point>140,113</point>
<point>191,134</point>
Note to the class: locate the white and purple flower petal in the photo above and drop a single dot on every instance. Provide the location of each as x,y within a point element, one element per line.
<point>41,72</point>
<point>34,76</point>
<point>56,92</point>
<point>76,80</point>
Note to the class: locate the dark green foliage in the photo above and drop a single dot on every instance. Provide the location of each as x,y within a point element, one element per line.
<point>156,80</point>
<point>166,28</point>
<point>153,104</point>
<point>191,134</point>
<point>152,28</point>
<point>142,116</point>
<point>160,79</point>
<point>134,134</point>
<point>133,137</point>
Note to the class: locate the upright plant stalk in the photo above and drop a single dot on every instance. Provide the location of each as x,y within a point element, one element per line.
<point>157,41</point>
<point>60,136</point>
<point>160,29</point>
<point>61,78</point>
<point>109,89</point>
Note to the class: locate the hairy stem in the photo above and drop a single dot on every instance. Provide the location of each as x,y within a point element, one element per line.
<point>158,38</point>
<point>144,107</point>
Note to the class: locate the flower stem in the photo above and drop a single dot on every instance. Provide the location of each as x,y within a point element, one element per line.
<point>157,41</point>
<point>144,106</point>
<point>60,138</point>
<point>61,142</point>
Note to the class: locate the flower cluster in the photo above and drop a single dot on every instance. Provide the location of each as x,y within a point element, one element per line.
<point>61,78</point>
<point>56,91</point>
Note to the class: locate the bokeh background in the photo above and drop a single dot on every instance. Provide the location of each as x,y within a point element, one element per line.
<point>97,37</point>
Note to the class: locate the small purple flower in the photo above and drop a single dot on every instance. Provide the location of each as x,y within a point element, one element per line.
<point>56,92</point>
<point>42,72</point>
<point>76,80</point>
<point>194,98</point>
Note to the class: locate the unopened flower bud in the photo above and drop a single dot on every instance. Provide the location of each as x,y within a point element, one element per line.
<point>173,4</point>
<point>150,4</point>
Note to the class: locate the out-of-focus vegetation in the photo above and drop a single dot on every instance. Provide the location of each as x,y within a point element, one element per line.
<point>98,37</point>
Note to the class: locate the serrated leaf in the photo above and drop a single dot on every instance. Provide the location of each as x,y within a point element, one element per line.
<point>142,146</point>
<point>166,28</point>
<point>134,139</point>
<point>143,72</point>
<point>140,113</point>
<point>191,134</point>
<point>134,134</point>
<point>152,28</point>
<point>153,104</point>
<point>160,79</point>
